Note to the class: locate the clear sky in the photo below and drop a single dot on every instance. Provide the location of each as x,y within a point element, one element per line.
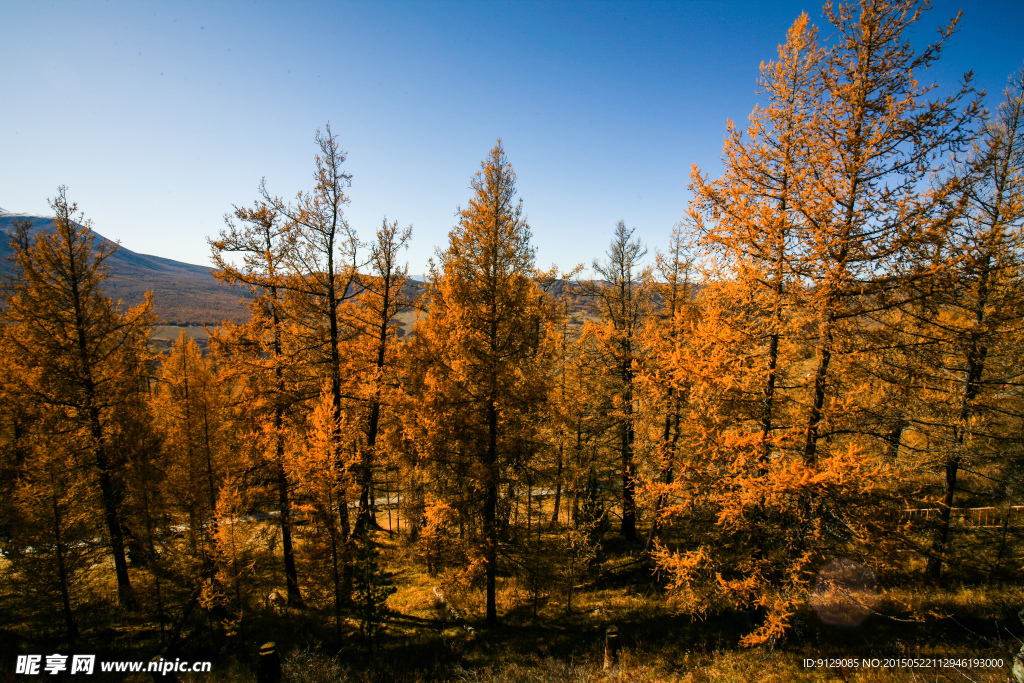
<point>159,116</point>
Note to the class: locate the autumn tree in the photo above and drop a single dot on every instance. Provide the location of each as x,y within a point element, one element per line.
<point>323,267</point>
<point>623,302</point>
<point>877,202</point>
<point>372,316</point>
<point>664,333</point>
<point>482,376</point>
<point>235,549</point>
<point>738,531</point>
<point>325,474</point>
<point>190,409</point>
<point>55,520</point>
<point>261,352</point>
<point>315,317</point>
<point>825,215</point>
<point>978,309</point>
<point>750,217</point>
<point>569,421</point>
<point>73,352</point>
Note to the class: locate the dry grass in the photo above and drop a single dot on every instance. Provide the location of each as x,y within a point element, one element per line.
<point>981,602</point>
<point>312,666</point>
<point>423,642</point>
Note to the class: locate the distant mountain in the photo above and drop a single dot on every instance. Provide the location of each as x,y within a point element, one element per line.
<point>183,293</point>
<point>187,295</point>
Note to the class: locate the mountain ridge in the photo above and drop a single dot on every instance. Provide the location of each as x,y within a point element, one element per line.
<point>183,293</point>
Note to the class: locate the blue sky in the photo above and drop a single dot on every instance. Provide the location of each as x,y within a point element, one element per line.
<point>160,116</point>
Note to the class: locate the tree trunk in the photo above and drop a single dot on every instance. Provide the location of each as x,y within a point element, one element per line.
<point>125,593</point>
<point>558,488</point>
<point>820,376</point>
<point>628,465</point>
<point>62,572</point>
<point>108,490</point>
<point>363,520</point>
<point>934,568</point>
<point>490,512</point>
<point>893,440</point>
<point>290,573</point>
<point>768,406</point>
<point>670,436</point>
<point>976,355</point>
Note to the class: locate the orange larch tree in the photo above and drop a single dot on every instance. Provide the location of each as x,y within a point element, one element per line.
<point>373,316</point>
<point>978,310</point>
<point>190,409</point>
<point>666,331</point>
<point>623,301</point>
<point>876,203</point>
<point>260,353</point>
<point>324,471</point>
<point>823,217</point>
<point>322,268</point>
<point>73,353</point>
<point>483,378</point>
<point>749,217</point>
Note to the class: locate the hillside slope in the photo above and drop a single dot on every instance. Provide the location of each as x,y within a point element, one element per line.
<point>183,293</point>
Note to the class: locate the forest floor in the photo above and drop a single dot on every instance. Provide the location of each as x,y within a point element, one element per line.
<point>538,639</point>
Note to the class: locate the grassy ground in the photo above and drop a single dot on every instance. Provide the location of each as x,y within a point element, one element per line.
<point>537,640</point>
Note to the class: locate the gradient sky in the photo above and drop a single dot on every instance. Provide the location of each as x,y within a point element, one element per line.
<point>160,116</point>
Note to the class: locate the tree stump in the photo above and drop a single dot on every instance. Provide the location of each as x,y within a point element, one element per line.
<point>611,647</point>
<point>268,665</point>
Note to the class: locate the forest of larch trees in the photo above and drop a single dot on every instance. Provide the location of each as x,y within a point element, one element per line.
<point>794,429</point>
